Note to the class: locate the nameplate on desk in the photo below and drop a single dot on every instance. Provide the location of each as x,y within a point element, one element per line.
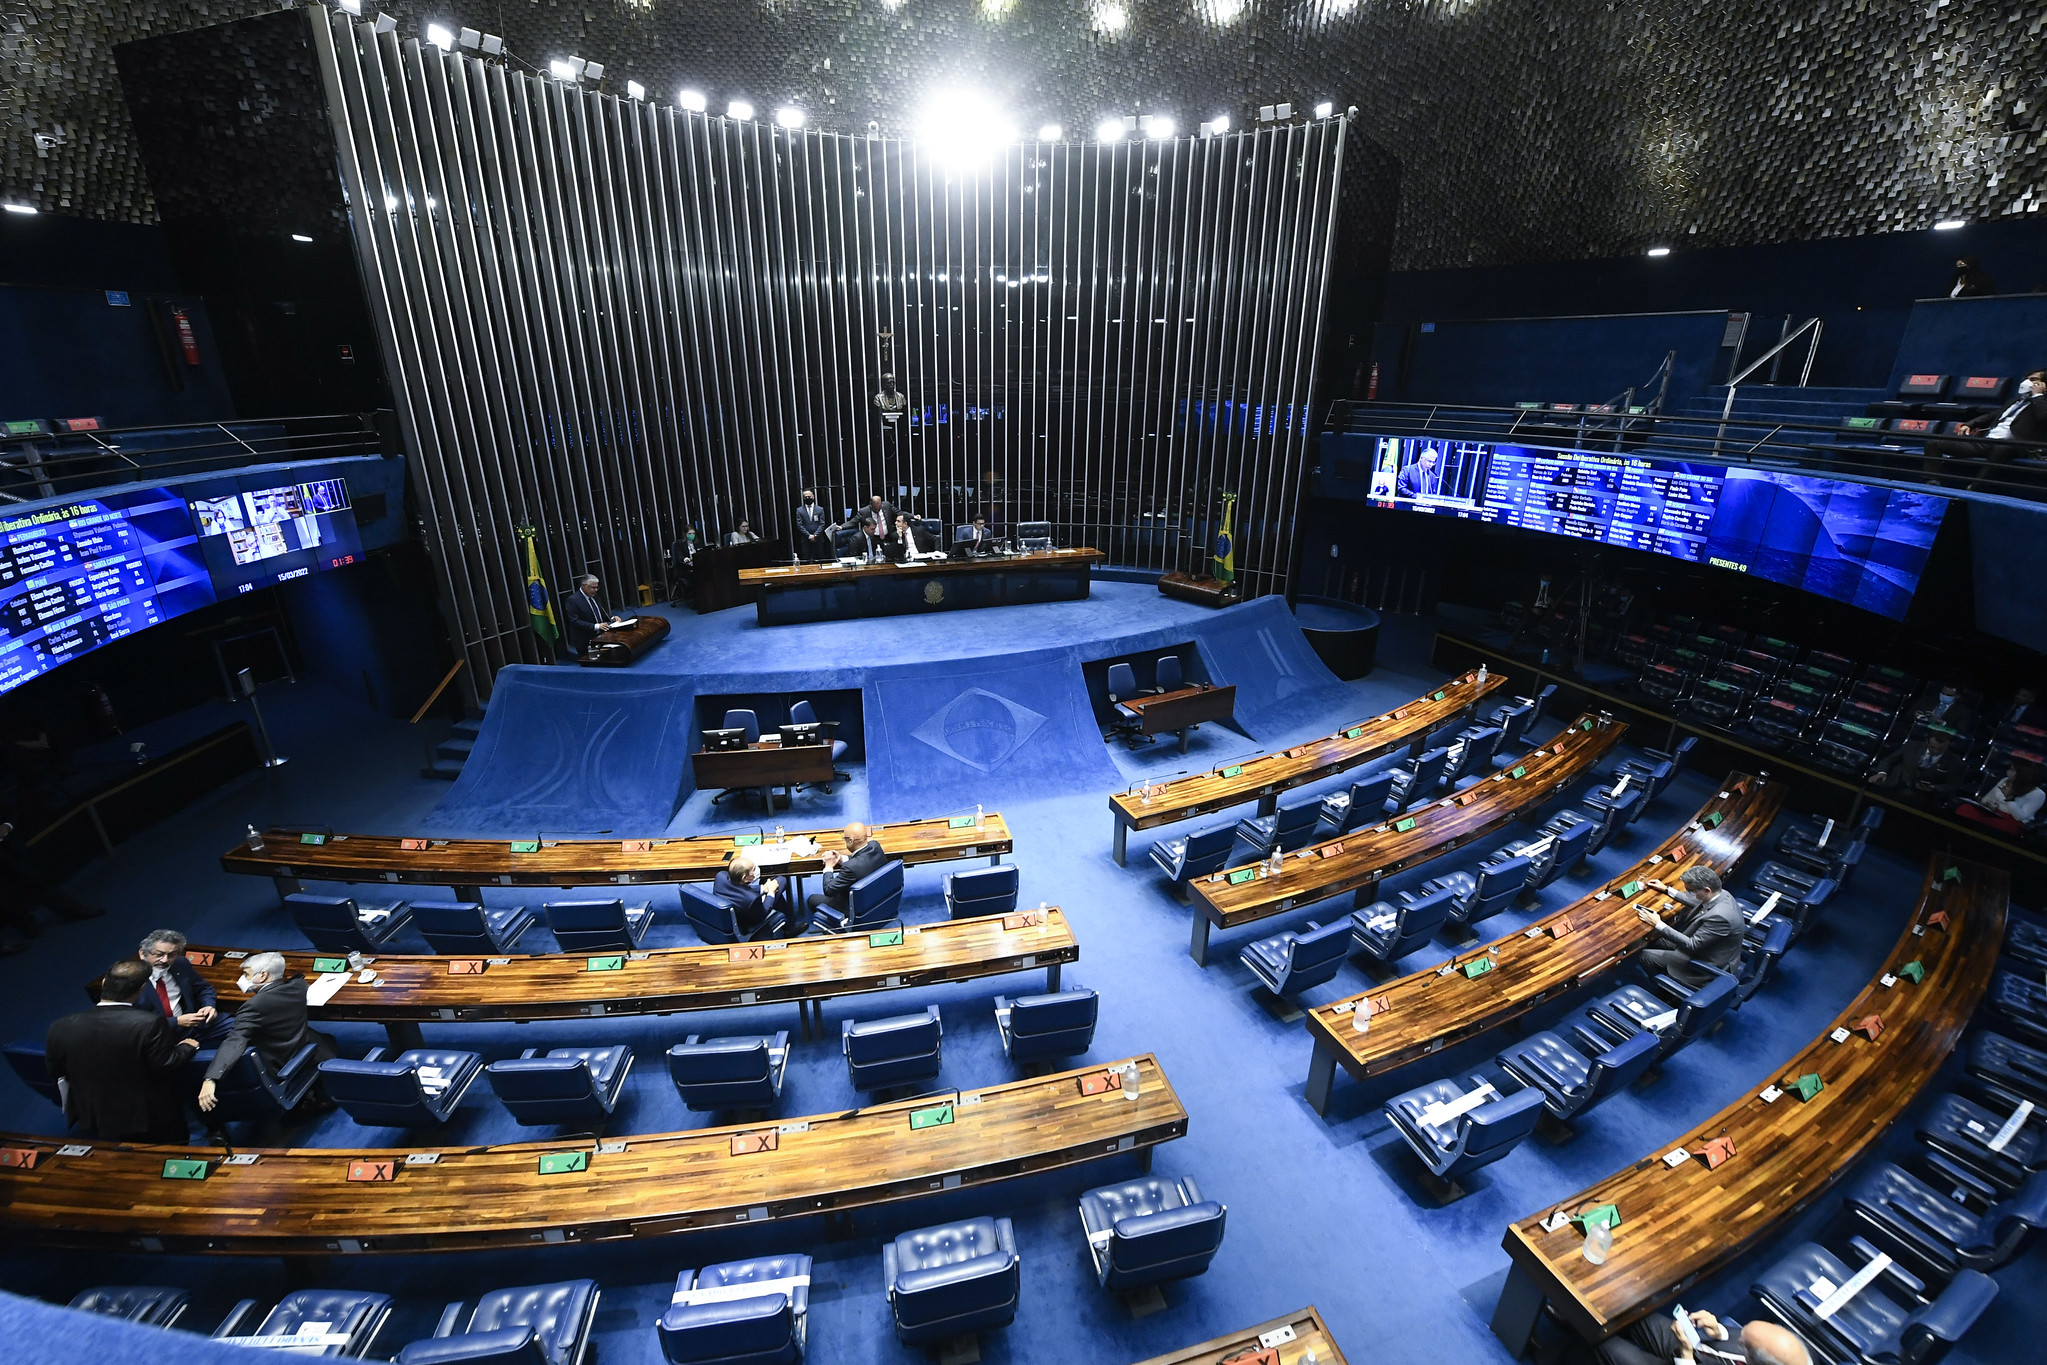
<point>1937,920</point>
<point>613,963</point>
<point>1355,732</point>
<point>1716,1151</point>
<point>746,840</point>
<point>937,1116</point>
<point>1713,821</point>
<point>465,966</point>
<point>1599,1216</point>
<point>525,846</point>
<point>564,1163</point>
<point>1099,1082</point>
<point>1953,874</point>
<point>1030,919</point>
<point>20,1158</point>
<point>960,822</point>
<point>1560,926</point>
<point>372,1172</point>
<point>1242,875</point>
<point>1439,696</point>
<point>1464,798</point>
<point>330,964</point>
<point>1403,826</point>
<point>746,1144</point>
<point>888,938</point>
<point>181,1168</point>
<point>1630,888</point>
<point>314,839</point>
<point>199,959</point>
<point>1869,1026</point>
<point>1478,967</point>
<point>636,846</point>
<point>1233,770</point>
<point>1518,772</point>
<point>1331,850</point>
<point>1808,1086</point>
<point>746,952</point>
<point>413,845</point>
<point>1913,971</point>
<point>422,1158</point>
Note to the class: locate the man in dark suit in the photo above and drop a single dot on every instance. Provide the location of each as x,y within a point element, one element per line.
<point>272,1021</point>
<point>863,856</point>
<point>1707,933</point>
<point>1944,707</point>
<point>583,614</point>
<point>813,530</point>
<point>980,541</point>
<point>2023,709</point>
<point>2003,431</point>
<point>907,541</point>
<point>1420,479</point>
<point>1926,768</point>
<point>120,1067</point>
<point>176,992</point>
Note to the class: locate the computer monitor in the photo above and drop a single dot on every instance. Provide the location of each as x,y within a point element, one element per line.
<point>811,732</point>
<point>1034,535</point>
<point>725,739</point>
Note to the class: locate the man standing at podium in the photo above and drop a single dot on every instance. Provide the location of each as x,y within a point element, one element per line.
<point>1420,479</point>
<point>813,532</point>
<point>584,614</point>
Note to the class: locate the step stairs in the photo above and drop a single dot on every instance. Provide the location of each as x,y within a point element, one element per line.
<point>451,753</point>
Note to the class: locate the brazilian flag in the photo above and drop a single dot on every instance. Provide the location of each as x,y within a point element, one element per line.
<point>539,604</point>
<point>1225,543</point>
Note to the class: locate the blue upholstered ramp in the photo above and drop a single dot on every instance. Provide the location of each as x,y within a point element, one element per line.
<point>1281,683</point>
<point>956,732</point>
<point>575,751</point>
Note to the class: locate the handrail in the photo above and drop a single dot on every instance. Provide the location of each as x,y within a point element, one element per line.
<point>435,695</point>
<point>1810,323</point>
<point>73,462</point>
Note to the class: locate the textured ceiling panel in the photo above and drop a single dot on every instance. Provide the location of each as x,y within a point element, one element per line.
<point>1526,130</point>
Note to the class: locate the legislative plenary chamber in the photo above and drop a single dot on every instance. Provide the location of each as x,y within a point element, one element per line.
<point>575,581</point>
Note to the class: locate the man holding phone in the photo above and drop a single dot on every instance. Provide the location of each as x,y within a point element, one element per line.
<point>1701,1339</point>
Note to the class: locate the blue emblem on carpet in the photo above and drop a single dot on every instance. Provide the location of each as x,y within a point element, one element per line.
<point>979,728</point>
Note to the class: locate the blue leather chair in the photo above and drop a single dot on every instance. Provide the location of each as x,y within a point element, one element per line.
<point>541,1324</point>
<point>1571,1079</point>
<point>1513,721</point>
<point>1938,1233</point>
<point>2023,1003</point>
<point>1678,1017</point>
<point>249,1092</point>
<point>416,1089</point>
<point>1872,1326</point>
<point>1195,855</point>
<point>149,1304</point>
<point>876,898</point>
<point>1499,881</point>
<point>569,1086</point>
<point>1420,778</point>
<point>609,926</point>
<point>1541,700</point>
<point>713,1074</point>
<point>955,1278</point>
<point>2010,1071</point>
<point>1601,821</point>
<point>802,713</point>
<point>336,924</point>
<point>898,1050</point>
<point>353,1318</point>
<point>1558,853</point>
<point>1765,943</point>
<point>1056,1024</point>
<point>716,922</point>
<point>742,719</point>
<point>1291,825</point>
<point>1627,807</point>
<point>1477,1137</point>
<point>1148,1231</point>
<point>709,1323</point>
<point>32,1065</point>
<point>470,928</point>
<point>1800,839</point>
<point>1167,675</point>
<point>982,891</point>
<point>1799,897</point>
<point>1289,963</point>
<point>1962,1130</point>
<point>1386,932</point>
<point>1122,682</point>
<point>1472,753</point>
<point>1651,759</point>
<point>2025,938</point>
<point>1363,804</point>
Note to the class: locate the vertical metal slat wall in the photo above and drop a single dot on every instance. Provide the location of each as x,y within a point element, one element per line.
<point>614,320</point>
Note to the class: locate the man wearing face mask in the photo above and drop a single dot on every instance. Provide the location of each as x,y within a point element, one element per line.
<point>273,1022</point>
<point>813,529</point>
<point>2003,431</point>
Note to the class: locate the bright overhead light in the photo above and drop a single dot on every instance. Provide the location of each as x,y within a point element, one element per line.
<point>1950,224</point>
<point>594,70</point>
<point>1659,251</point>
<point>789,116</point>
<point>1324,109</point>
<point>1221,123</point>
<point>385,23</point>
<point>19,208</point>
<point>561,70</point>
<point>350,7</point>
<point>963,129</point>
<point>1111,17</point>
<point>1222,13</point>
<point>1111,129</point>
<point>300,237</point>
<point>635,91</point>
<point>440,37</point>
<point>469,39</point>
<point>692,100</point>
<point>1051,132</point>
<point>739,109</point>
<point>1158,127</point>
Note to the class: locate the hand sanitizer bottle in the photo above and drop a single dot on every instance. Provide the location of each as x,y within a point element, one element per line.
<point>1130,1080</point>
<point>979,818</point>
<point>255,840</point>
<point>1481,675</point>
<point>1273,865</point>
<point>1598,1242</point>
<point>778,834</point>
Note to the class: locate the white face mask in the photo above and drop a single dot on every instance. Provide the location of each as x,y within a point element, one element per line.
<point>244,984</point>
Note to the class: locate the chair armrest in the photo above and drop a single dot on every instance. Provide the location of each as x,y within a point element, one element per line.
<point>1975,1186</point>
<point>1005,1232</point>
<point>529,1054</point>
<point>1671,989</point>
<point>1594,1045</point>
<point>499,1345</point>
<point>1950,1317</point>
<point>451,1318</point>
<point>1189,1190</point>
<point>375,1054</point>
<point>237,1318</point>
<point>298,1062</point>
<point>1899,1277</point>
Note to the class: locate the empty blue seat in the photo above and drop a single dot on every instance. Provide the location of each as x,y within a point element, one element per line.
<point>898,1050</point>
<point>2025,938</point>
<point>1626,807</point>
<point>1872,1326</point>
<point>1799,894</point>
<point>152,1305</point>
<point>955,1278</point>
<point>1672,760</point>
<point>1291,825</point>
<point>32,1065</point>
<point>1499,881</point>
<point>2012,1071</point>
<point>1571,1081</point>
<point>729,1073</point>
<point>350,1319</point>
<point>1363,804</point>
<point>570,1085</point>
<point>1195,855</point>
<point>336,924</point>
<point>539,1324</point>
<point>1148,1231</point>
<point>752,1312</point>
<point>1679,1017</point>
<point>470,928</point>
<point>802,713</point>
<point>716,922</point>
<point>982,891</point>
<point>1801,836</point>
<point>415,1089</point>
<point>1938,1232</point>
<point>607,926</point>
<point>1765,943</point>
<point>1599,826</point>
<point>1121,683</point>
<point>1054,1024</point>
<point>1561,850</point>
<point>1513,720</point>
<point>1472,753</point>
<point>1962,1131</point>
<point>1456,1145</point>
<point>1167,674</point>
<point>1386,932</point>
<point>2023,1003</point>
<point>741,718</point>
<point>250,1092</point>
<point>1420,778</point>
<point>1288,963</point>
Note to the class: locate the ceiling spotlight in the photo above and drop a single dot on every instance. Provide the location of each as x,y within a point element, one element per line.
<point>300,237</point>
<point>19,208</point>
<point>1112,129</point>
<point>350,7</point>
<point>963,129</point>
<point>1950,224</point>
<point>739,109</point>
<point>692,100</point>
<point>468,39</point>
<point>1158,128</point>
<point>1111,17</point>
<point>1222,12</point>
<point>1051,132</point>
<point>635,91</point>
<point>594,70</point>
<point>1221,123</point>
<point>438,35</point>
<point>789,116</point>
<point>1659,251</point>
<point>386,24</point>
<point>561,70</point>
<point>493,46</point>
<point>1324,109</point>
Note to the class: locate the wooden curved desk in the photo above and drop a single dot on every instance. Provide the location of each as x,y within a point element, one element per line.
<point>1359,859</point>
<point>468,865</point>
<point>620,646</point>
<point>413,990</point>
<point>791,593</point>
<point>1427,1011</point>
<point>1679,1225</point>
<point>1261,779</point>
<point>298,1201</point>
<point>1292,1336</point>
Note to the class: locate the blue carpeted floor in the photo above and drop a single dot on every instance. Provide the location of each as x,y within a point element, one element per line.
<point>1328,1212</point>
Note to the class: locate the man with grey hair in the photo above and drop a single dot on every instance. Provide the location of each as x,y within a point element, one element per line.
<point>1655,1341</point>
<point>583,614</point>
<point>176,992</point>
<point>272,1021</point>
<point>1706,933</point>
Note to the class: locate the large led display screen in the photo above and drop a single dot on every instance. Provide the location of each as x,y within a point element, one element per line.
<point>77,573</point>
<point>1856,543</point>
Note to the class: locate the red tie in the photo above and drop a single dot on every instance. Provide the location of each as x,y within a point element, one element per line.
<point>163,993</point>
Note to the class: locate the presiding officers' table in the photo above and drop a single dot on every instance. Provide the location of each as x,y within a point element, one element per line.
<point>1681,1221</point>
<point>791,593</point>
<point>300,1201</point>
<point>1358,860</point>
<point>1420,1014</point>
<point>764,765</point>
<point>1292,1336</point>
<point>1182,709</point>
<point>1150,805</point>
<point>468,865</point>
